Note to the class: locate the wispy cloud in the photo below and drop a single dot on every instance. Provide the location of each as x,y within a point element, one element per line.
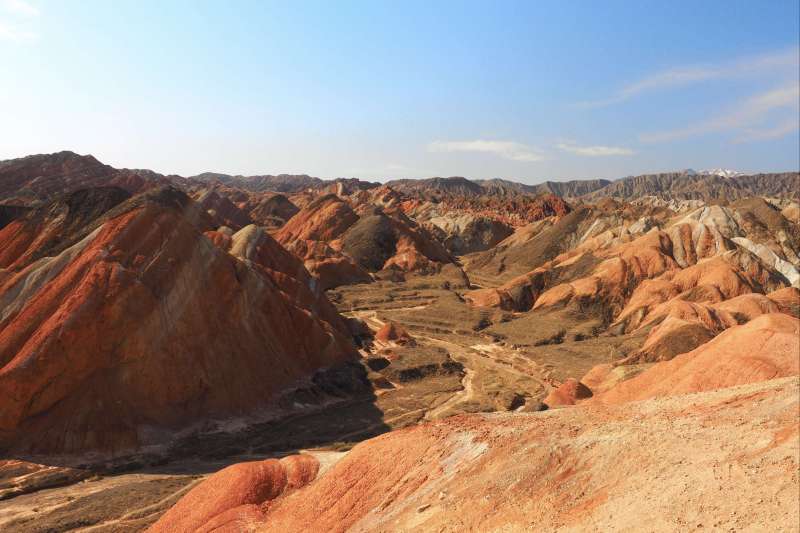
<point>777,131</point>
<point>16,35</point>
<point>20,7</point>
<point>786,61</point>
<point>506,149</point>
<point>593,151</point>
<point>12,31</point>
<point>752,119</point>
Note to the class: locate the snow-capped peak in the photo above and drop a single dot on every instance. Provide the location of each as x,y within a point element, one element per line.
<point>724,172</point>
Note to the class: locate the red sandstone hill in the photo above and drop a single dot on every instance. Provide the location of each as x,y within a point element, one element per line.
<point>272,210</point>
<point>36,178</point>
<point>233,498</point>
<point>46,229</point>
<point>341,245</point>
<point>140,322</point>
<point>324,219</point>
<point>765,348</point>
<point>223,211</point>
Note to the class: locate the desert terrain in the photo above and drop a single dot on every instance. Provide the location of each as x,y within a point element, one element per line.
<point>286,353</point>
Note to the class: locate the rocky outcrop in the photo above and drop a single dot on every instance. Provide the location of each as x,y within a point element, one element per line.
<point>628,275</point>
<point>9,213</point>
<point>455,185</point>
<point>568,393</point>
<point>564,189</point>
<point>313,235</point>
<point>381,240</point>
<point>466,233</point>
<point>233,499</point>
<point>324,219</point>
<point>52,227</point>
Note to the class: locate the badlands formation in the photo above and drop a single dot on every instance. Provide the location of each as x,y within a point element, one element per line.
<point>223,353</point>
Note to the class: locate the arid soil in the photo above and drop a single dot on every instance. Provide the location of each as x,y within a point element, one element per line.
<point>698,461</point>
<point>281,353</point>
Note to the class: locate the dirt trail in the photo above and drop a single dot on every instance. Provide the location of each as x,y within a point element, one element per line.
<point>465,395</point>
<point>122,502</point>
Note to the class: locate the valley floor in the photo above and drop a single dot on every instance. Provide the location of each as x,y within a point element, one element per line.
<point>452,366</point>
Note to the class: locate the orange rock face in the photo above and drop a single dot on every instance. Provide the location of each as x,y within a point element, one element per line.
<point>234,497</point>
<point>787,299</point>
<point>764,348</point>
<point>330,266</point>
<point>145,323</point>
<point>324,219</point>
<point>568,393</point>
<point>44,230</point>
<point>392,332</point>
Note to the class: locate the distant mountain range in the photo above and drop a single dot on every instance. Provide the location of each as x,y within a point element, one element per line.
<point>686,186</point>
<point>280,183</point>
<point>676,185</point>
<point>32,179</point>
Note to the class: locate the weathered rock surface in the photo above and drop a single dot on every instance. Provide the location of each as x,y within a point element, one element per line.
<point>764,348</point>
<point>145,324</point>
<point>273,211</point>
<point>236,497</point>
<point>589,467</point>
<point>683,185</point>
<point>568,393</point>
<point>40,178</point>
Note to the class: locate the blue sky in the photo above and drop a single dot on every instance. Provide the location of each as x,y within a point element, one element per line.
<point>528,90</point>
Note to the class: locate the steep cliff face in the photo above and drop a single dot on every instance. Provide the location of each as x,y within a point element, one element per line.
<point>143,323</point>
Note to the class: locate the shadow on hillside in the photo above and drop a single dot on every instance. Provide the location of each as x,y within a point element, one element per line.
<point>130,493</point>
<point>334,410</point>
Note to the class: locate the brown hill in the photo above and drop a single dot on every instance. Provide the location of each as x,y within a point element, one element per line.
<point>144,323</point>
<point>434,187</point>
<point>324,219</point>
<point>273,211</point>
<point>222,211</point>
<point>340,245</point>
<point>287,183</point>
<point>232,498</point>
<point>39,178</point>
